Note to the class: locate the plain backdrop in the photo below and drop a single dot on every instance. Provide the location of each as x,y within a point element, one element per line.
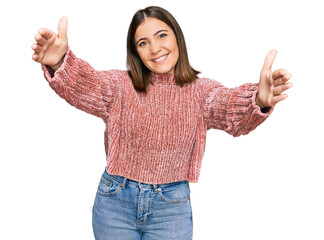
<point>266,185</point>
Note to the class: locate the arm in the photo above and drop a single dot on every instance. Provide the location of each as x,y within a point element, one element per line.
<point>240,110</point>
<point>72,78</point>
<point>82,86</point>
<point>233,110</point>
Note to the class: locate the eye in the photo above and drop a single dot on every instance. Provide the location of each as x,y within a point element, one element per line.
<point>142,44</point>
<point>162,35</point>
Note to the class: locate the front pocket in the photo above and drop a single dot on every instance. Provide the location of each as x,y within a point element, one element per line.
<point>107,187</point>
<point>175,193</point>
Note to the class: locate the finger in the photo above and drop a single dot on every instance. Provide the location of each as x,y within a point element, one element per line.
<point>280,89</point>
<point>269,59</point>
<point>37,48</point>
<point>46,33</point>
<point>278,98</point>
<point>38,57</point>
<point>35,57</point>
<point>62,28</point>
<point>40,40</point>
<point>282,80</point>
<point>278,73</point>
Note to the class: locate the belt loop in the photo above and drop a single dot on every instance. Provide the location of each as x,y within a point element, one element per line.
<point>124,182</point>
<point>155,186</point>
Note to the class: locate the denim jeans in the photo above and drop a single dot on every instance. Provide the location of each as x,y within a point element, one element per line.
<point>128,210</point>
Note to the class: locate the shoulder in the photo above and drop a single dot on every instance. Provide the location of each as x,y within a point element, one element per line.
<point>118,76</point>
<point>206,84</point>
<point>115,73</point>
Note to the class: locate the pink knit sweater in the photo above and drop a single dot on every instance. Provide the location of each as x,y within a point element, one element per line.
<point>157,138</point>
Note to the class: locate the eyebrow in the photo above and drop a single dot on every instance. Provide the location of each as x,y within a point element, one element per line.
<point>162,30</point>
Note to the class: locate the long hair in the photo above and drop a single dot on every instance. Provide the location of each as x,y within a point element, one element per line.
<point>138,72</point>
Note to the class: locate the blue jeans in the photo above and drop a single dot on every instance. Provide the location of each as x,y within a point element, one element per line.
<point>128,210</point>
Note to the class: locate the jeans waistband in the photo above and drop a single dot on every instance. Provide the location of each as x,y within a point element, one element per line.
<point>123,181</point>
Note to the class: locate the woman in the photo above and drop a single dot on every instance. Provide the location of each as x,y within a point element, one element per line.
<point>156,114</point>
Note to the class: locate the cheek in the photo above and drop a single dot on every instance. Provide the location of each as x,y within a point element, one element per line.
<point>176,53</point>
<point>175,49</point>
<point>142,55</point>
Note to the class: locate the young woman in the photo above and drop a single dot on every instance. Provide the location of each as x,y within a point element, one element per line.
<point>157,115</point>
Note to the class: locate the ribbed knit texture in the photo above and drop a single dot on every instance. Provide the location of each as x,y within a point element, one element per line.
<point>159,137</point>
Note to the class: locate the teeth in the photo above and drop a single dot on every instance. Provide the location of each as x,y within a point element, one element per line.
<point>160,59</point>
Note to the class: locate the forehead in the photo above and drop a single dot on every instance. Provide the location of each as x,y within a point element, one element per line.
<point>149,27</point>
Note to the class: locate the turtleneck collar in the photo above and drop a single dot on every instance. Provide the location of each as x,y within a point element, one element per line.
<point>165,78</point>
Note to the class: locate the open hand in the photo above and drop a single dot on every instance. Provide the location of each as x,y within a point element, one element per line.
<point>272,84</point>
<point>51,47</point>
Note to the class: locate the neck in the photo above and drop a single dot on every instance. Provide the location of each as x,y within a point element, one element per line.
<point>163,78</point>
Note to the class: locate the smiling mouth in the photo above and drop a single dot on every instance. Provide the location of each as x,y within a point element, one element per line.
<point>160,59</point>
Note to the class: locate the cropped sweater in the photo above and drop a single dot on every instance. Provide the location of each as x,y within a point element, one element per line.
<point>158,137</point>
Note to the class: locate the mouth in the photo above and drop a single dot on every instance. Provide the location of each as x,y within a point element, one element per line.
<point>160,59</point>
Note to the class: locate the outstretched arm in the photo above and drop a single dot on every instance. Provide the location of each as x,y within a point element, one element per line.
<point>233,110</point>
<point>240,110</point>
<point>72,78</point>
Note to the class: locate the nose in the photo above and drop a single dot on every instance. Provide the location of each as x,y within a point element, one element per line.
<point>154,48</point>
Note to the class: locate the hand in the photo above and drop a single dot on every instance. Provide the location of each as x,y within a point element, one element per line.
<point>51,47</point>
<point>272,84</point>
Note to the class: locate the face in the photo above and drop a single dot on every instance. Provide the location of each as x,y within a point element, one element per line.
<point>156,45</point>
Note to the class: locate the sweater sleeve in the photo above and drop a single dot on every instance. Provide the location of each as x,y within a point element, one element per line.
<point>82,86</point>
<point>233,110</point>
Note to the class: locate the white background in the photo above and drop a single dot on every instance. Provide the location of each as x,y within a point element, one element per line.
<point>266,185</point>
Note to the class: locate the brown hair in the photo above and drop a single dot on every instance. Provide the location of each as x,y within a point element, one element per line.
<point>137,71</point>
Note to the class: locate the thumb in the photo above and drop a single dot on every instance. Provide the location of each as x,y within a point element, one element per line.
<point>62,28</point>
<point>269,59</point>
